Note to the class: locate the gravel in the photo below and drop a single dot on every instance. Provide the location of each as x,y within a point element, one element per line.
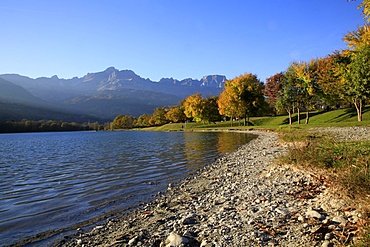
<point>242,199</point>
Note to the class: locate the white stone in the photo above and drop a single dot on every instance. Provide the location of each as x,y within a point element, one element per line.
<point>175,240</point>
<point>314,214</point>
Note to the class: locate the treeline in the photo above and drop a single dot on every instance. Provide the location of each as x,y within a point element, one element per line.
<point>45,126</point>
<point>194,108</point>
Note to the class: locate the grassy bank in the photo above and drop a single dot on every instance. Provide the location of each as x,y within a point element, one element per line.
<point>336,118</point>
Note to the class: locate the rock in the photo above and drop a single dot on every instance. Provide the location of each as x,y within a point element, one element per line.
<point>340,220</point>
<point>132,241</point>
<point>300,218</point>
<point>175,240</point>
<point>329,236</point>
<point>314,214</point>
<point>327,243</point>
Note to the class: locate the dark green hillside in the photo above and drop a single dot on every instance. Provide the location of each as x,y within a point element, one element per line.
<point>128,102</point>
<point>12,93</point>
<point>17,112</point>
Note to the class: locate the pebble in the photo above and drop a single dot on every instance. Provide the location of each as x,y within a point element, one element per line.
<point>242,199</point>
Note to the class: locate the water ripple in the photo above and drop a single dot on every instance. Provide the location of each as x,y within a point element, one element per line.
<point>53,181</point>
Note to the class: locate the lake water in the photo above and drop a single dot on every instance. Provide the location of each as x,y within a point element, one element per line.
<point>51,183</point>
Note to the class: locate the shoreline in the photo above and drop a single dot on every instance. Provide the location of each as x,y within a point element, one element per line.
<point>242,199</point>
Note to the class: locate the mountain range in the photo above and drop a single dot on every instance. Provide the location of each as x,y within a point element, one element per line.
<point>96,96</point>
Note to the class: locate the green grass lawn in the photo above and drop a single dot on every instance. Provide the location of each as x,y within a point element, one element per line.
<point>339,118</point>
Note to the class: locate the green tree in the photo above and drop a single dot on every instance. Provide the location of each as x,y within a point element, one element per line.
<point>357,78</point>
<point>210,111</point>
<point>287,100</point>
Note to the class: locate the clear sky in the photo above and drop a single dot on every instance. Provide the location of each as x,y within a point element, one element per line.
<point>169,38</point>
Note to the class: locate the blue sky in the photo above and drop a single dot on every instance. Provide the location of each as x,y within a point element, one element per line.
<point>169,38</point>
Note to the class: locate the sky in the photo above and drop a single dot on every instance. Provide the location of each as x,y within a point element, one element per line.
<point>169,38</point>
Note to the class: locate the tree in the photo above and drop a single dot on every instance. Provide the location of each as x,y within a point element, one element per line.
<point>358,37</point>
<point>143,120</point>
<point>210,110</point>
<point>175,114</point>
<point>291,93</point>
<point>245,94</point>
<point>273,88</point>
<point>354,68</point>
<point>193,107</point>
<point>308,88</point>
<point>159,116</point>
<point>229,104</point>
<point>287,100</point>
<point>123,122</point>
<point>365,6</point>
<point>357,78</point>
<point>328,79</point>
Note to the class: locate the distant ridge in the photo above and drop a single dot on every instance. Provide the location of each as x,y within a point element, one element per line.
<point>107,93</point>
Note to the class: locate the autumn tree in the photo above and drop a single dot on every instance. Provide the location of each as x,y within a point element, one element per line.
<point>308,88</point>
<point>245,93</point>
<point>143,120</point>
<point>328,79</point>
<point>229,104</point>
<point>357,38</point>
<point>201,109</point>
<point>175,114</point>
<point>123,122</point>
<point>273,88</point>
<point>365,6</point>
<point>193,107</point>
<point>354,66</point>
<point>159,116</point>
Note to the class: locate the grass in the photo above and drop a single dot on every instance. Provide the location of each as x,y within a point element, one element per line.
<point>338,118</point>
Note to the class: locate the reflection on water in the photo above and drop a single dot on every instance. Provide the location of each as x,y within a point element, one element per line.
<point>197,146</point>
<point>51,182</point>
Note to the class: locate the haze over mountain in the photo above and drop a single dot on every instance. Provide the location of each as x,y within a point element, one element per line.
<point>104,94</point>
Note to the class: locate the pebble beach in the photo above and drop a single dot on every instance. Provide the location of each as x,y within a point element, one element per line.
<point>242,199</point>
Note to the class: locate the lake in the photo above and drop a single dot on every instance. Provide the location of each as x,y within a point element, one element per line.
<point>51,183</point>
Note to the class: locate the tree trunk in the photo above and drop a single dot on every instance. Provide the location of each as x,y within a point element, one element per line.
<point>307,117</point>
<point>299,115</point>
<point>290,118</point>
<point>358,104</point>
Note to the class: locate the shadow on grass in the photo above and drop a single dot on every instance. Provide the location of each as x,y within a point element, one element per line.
<point>302,117</point>
<point>349,113</point>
